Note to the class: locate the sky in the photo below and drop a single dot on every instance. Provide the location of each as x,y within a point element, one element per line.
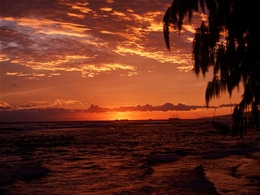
<point>99,60</point>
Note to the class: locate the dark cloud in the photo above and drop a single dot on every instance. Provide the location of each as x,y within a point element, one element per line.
<point>31,8</point>
<point>165,107</point>
<point>227,105</point>
<point>4,107</point>
<point>179,107</point>
<point>96,109</point>
<point>27,115</point>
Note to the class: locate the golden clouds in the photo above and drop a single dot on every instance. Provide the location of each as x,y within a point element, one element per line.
<point>152,19</point>
<point>189,28</point>
<point>106,32</point>
<point>72,63</point>
<point>66,102</point>
<point>92,70</point>
<point>26,75</point>
<point>185,68</point>
<point>49,27</point>
<point>4,57</point>
<point>120,14</point>
<point>81,7</point>
<point>4,105</point>
<point>47,104</point>
<point>89,39</point>
<point>64,63</point>
<point>110,1</point>
<point>155,55</point>
<point>80,16</point>
<point>54,74</point>
<point>107,9</point>
<point>84,40</point>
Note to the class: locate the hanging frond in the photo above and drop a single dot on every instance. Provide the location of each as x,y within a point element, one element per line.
<point>202,5</point>
<point>166,23</point>
<point>229,41</point>
<point>202,53</point>
<point>214,88</point>
<point>175,15</point>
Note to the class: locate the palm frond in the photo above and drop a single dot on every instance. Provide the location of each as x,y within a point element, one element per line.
<point>166,23</point>
<point>228,40</point>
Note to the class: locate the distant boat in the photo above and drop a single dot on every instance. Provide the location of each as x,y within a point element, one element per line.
<point>174,118</point>
<point>121,121</point>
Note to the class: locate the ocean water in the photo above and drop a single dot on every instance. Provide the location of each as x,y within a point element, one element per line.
<point>127,157</point>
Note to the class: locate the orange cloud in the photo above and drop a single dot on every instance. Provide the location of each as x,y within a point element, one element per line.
<point>4,105</point>
<point>91,70</point>
<point>26,75</point>
<point>80,16</point>
<point>47,104</point>
<point>110,1</point>
<point>82,7</point>
<point>107,9</point>
<point>4,57</point>
<point>156,55</point>
<point>46,26</point>
<point>185,68</point>
<point>106,32</point>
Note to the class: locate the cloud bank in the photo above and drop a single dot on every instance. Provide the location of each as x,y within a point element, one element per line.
<point>34,113</point>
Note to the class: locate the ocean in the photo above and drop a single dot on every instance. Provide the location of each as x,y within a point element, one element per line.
<point>127,158</point>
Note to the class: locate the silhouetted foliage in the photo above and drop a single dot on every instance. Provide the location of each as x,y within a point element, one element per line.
<point>228,41</point>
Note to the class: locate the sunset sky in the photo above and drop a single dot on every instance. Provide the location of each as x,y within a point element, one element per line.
<point>98,60</point>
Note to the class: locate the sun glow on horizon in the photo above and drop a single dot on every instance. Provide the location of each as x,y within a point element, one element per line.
<point>120,116</point>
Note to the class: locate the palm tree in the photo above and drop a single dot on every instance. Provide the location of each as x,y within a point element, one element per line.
<point>228,41</point>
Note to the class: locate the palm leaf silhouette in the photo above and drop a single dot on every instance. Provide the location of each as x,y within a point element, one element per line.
<point>228,41</point>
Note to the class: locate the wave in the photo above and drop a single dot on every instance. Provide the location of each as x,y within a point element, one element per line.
<point>193,181</point>
<point>11,175</point>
